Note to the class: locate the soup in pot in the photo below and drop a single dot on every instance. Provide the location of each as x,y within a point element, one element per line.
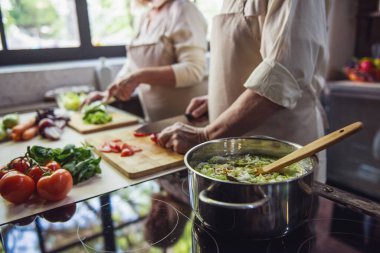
<point>245,168</point>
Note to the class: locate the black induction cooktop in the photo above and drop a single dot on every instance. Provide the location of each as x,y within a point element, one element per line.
<point>155,216</point>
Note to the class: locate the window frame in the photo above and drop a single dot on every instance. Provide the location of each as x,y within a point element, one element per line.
<point>85,50</point>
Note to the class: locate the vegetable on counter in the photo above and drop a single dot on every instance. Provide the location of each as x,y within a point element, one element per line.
<point>10,120</point>
<point>51,124</point>
<point>16,187</point>
<point>47,123</point>
<point>7,122</point>
<point>96,113</point>
<point>19,129</point>
<point>3,132</point>
<point>79,161</point>
<point>71,100</point>
<point>49,173</point>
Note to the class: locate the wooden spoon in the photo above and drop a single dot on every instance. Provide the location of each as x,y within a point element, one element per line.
<point>312,148</point>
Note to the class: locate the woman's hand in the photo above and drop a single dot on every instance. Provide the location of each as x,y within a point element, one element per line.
<point>94,96</point>
<point>198,108</point>
<point>181,137</point>
<point>104,96</point>
<point>125,87</point>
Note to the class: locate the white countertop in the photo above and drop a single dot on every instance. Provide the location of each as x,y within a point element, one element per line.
<point>109,180</point>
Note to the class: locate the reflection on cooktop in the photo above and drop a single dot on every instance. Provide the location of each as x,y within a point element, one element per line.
<point>307,238</point>
<point>155,216</point>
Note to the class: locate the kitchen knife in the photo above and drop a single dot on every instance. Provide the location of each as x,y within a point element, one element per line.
<point>158,126</point>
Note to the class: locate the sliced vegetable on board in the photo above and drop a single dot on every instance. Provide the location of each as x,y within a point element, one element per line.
<point>96,113</point>
<point>118,146</point>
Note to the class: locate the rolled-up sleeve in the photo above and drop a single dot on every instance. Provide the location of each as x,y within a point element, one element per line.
<point>189,36</point>
<point>292,35</point>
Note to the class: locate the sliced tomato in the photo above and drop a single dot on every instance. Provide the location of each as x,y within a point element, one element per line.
<point>126,145</point>
<point>117,140</point>
<point>136,149</point>
<point>127,152</point>
<point>154,138</point>
<point>115,146</point>
<point>138,134</point>
<point>105,148</point>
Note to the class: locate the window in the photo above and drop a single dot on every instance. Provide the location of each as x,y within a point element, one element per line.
<point>209,8</point>
<point>111,22</point>
<point>40,24</point>
<point>33,31</point>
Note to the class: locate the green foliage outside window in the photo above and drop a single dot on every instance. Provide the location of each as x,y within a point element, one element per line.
<point>34,17</point>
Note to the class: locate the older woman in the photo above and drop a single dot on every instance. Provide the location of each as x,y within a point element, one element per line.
<point>166,60</point>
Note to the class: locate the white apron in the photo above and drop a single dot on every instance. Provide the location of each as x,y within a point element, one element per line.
<point>235,53</point>
<point>160,102</point>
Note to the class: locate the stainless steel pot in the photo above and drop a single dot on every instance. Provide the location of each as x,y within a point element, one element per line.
<point>258,210</point>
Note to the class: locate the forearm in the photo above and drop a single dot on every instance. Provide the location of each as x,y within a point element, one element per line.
<point>248,111</point>
<point>162,76</point>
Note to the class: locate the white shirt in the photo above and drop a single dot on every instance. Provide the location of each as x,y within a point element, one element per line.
<point>186,28</point>
<point>287,69</point>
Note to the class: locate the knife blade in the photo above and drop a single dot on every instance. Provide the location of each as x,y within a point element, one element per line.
<point>158,126</point>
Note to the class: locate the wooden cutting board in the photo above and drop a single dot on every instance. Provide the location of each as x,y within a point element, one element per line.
<point>151,159</point>
<point>119,119</point>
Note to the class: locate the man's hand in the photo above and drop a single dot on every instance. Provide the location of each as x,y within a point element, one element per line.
<point>198,108</point>
<point>181,137</point>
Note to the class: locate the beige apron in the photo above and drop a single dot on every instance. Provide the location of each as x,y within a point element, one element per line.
<point>160,102</point>
<point>235,53</point>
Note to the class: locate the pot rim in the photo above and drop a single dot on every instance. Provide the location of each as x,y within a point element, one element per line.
<point>313,158</point>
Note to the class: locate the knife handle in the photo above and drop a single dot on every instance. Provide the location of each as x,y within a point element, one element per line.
<point>191,118</point>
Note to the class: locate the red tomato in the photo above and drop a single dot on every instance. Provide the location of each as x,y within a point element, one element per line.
<point>3,171</point>
<point>53,165</point>
<point>126,152</point>
<point>56,186</point>
<point>37,172</point>
<point>60,214</point>
<point>154,138</point>
<point>16,187</point>
<point>137,134</point>
<point>20,164</point>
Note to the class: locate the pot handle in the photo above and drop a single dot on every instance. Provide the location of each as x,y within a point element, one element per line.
<point>252,205</point>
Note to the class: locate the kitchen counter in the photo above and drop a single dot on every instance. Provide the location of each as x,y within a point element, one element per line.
<point>111,213</point>
<point>109,180</point>
<point>155,216</point>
